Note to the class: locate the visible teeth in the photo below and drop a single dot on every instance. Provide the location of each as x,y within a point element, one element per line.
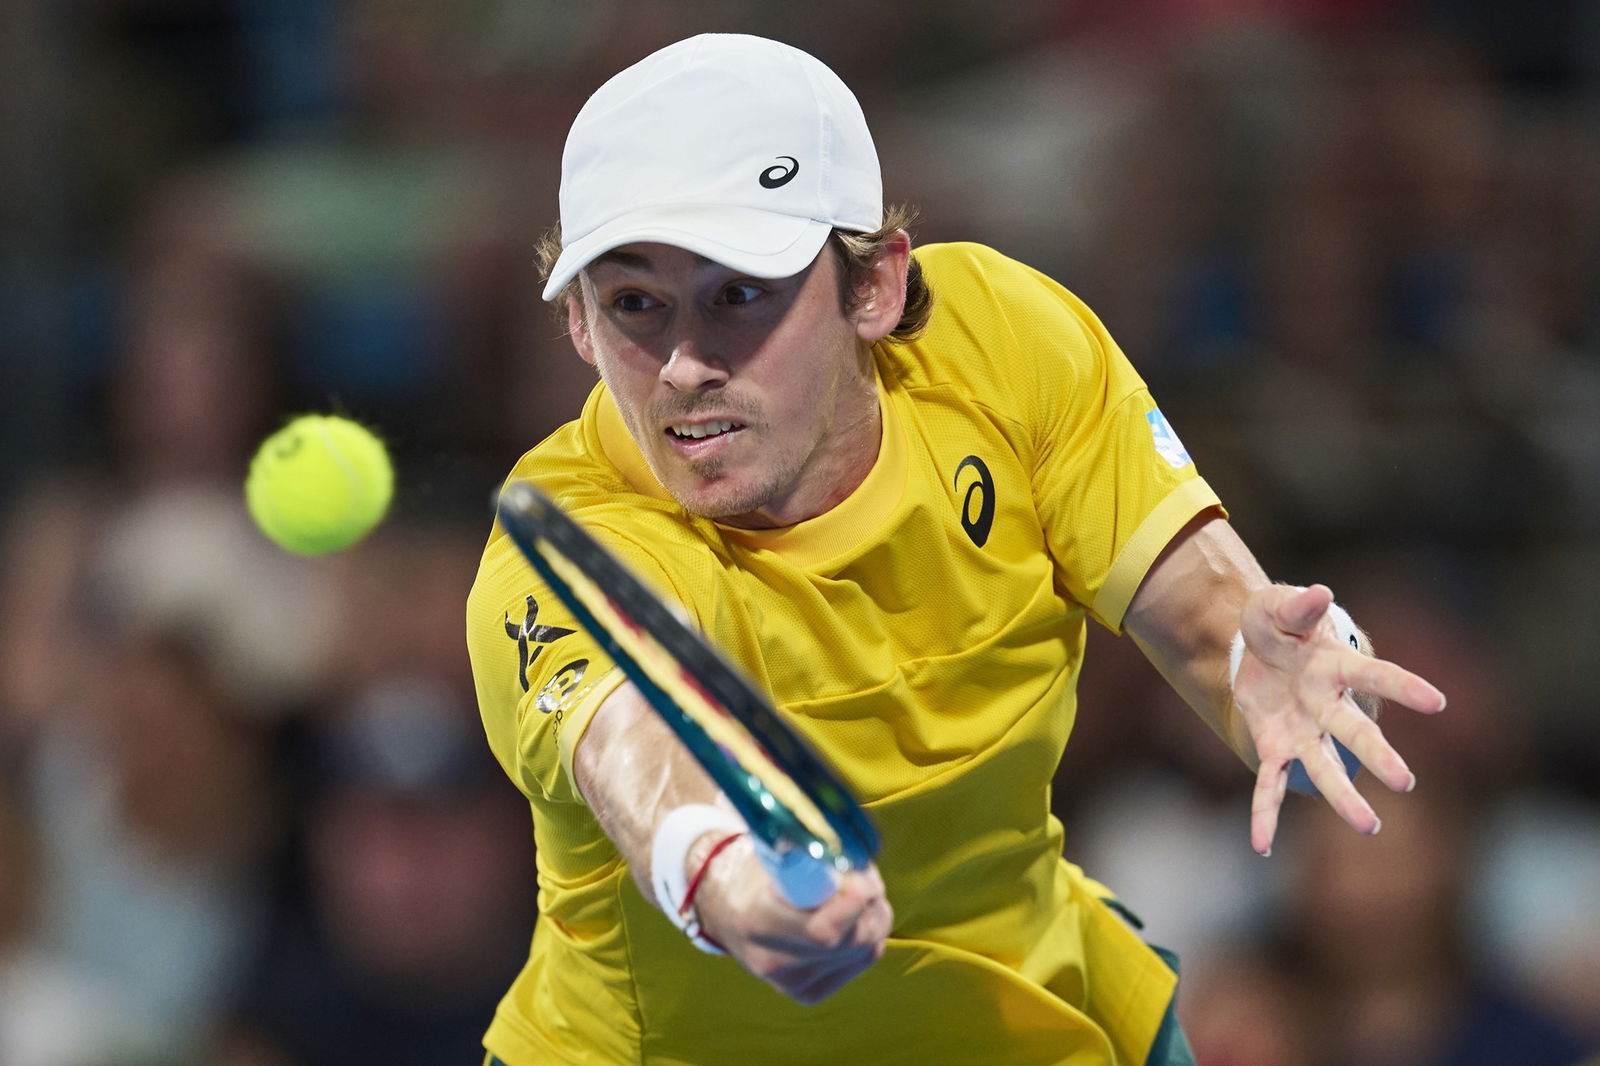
<point>701,429</point>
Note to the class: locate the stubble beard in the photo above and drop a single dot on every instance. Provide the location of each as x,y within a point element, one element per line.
<point>713,505</point>
<point>710,472</point>
<point>778,482</point>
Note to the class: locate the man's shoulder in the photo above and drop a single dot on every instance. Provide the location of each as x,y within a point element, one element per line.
<point>650,533</point>
<point>958,262</point>
<point>992,317</point>
<point>570,465</point>
<point>981,291</point>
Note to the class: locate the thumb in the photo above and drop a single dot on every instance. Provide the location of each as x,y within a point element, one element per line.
<point>1299,613</point>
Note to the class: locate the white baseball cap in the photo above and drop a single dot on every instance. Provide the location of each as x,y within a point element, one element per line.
<point>738,148</point>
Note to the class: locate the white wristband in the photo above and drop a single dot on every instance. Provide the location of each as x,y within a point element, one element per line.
<point>669,853</point>
<point>1343,625</point>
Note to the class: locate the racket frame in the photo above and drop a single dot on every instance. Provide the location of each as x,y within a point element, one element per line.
<point>840,835</point>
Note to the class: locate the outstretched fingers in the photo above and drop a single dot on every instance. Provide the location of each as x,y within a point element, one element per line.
<point>1390,681</point>
<point>1362,736</point>
<point>1327,772</point>
<point>1272,781</point>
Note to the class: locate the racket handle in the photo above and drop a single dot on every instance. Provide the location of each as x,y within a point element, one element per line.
<point>804,881</point>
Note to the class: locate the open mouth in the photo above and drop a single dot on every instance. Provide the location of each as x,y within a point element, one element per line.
<point>690,431</point>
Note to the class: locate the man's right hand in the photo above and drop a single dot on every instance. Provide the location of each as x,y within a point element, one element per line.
<point>806,954</point>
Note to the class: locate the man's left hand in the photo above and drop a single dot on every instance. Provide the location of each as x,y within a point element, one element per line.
<point>1293,691</point>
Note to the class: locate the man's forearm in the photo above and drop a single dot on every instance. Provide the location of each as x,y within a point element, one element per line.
<point>632,770</point>
<point>1186,613</point>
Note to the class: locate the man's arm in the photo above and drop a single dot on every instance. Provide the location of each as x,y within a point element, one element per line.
<point>1291,693</point>
<point>632,770</point>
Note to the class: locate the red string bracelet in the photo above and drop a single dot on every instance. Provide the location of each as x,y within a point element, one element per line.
<point>686,908</point>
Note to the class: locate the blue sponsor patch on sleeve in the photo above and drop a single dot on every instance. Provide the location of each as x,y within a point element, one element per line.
<point>1168,446</point>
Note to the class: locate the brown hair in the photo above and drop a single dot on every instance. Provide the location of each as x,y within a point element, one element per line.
<point>857,253</point>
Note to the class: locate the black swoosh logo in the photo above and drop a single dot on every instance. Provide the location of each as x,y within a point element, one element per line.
<point>777,175</point>
<point>977,528</point>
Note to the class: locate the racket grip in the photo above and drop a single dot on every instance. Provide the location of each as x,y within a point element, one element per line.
<point>805,881</point>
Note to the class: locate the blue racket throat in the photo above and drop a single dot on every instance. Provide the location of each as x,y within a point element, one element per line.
<point>1300,781</point>
<point>805,880</point>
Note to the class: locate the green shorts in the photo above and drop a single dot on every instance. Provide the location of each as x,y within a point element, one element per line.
<point>1171,1047</point>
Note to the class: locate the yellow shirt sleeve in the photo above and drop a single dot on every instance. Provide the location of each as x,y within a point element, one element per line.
<point>1111,481</point>
<point>540,677</point>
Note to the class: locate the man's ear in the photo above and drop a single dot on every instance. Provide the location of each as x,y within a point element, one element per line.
<point>578,330</point>
<point>885,291</point>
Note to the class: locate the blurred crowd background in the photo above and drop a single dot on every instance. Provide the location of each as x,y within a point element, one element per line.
<point>247,816</point>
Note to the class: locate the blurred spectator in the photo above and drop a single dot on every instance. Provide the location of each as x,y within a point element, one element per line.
<point>52,1011</point>
<point>154,810</point>
<point>45,649</point>
<point>159,535</point>
<point>384,627</point>
<point>1536,904</point>
<point>1378,949</point>
<point>361,226</point>
<point>1181,247</point>
<point>418,901</point>
<point>1244,1012</point>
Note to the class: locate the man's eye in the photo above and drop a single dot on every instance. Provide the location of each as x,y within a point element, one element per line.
<point>740,294</point>
<point>633,301</point>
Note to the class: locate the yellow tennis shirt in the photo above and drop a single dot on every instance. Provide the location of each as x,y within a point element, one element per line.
<point>925,635</point>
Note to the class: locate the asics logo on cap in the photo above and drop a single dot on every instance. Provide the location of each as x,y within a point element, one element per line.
<point>777,175</point>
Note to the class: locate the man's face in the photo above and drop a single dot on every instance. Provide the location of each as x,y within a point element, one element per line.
<point>752,399</point>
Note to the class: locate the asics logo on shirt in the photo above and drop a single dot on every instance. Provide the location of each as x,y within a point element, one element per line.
<point>777,175</point>
<point>981,484</point>
<point>559,689</point>
<point>528,634</point>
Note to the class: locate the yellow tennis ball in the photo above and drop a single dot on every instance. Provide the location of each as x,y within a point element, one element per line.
<point>319,484</point>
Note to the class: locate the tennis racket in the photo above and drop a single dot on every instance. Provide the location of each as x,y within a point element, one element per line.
<point>807,827</point>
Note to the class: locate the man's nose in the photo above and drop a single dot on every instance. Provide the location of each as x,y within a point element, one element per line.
<point>694,364</point>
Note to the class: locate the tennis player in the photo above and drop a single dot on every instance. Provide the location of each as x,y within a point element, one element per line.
<point>894,487</point>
